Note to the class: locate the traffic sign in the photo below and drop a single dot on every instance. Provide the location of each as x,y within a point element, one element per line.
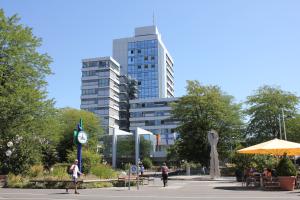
<point>133,169</point>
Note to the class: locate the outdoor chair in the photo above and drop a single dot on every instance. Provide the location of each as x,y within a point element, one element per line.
<point>297,185</point>
<point>253,181</point>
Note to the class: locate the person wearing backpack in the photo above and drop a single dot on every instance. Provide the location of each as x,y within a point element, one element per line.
<point>164,174</point>
<point>74,171</point>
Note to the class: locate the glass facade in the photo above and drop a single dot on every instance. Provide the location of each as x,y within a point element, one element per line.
<point>143,67</point>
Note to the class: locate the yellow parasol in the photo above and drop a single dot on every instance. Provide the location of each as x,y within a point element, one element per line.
<point>275,147</point>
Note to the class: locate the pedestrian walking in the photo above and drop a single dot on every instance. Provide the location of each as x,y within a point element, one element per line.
<point>164,174</point>
<point>75,172</point>
<point>142,170</point>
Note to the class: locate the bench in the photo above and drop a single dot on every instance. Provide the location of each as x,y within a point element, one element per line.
<point>148,179</point>
<point>134,178</point>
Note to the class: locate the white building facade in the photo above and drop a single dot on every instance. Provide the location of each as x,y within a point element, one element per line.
<point>145,58</point>
<point>100,90</point>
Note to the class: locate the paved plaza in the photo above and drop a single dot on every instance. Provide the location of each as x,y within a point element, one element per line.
<point>177,189</point>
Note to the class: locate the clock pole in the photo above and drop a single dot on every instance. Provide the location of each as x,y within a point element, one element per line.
<point>79,145</point>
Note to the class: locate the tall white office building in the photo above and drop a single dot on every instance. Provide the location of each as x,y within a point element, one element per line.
<point>100,90</point>
<point>145,58</point>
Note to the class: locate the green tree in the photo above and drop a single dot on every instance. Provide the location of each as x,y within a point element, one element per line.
<point>293,127</point>
<point>202,109</point>
<point>23,103</point>
<point>69,118</point>
<point>264,108</point>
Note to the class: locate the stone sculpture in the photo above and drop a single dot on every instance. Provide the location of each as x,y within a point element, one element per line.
<point>213,139</point>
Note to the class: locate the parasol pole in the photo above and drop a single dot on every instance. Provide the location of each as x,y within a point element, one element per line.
<point>283,124</point>
<point>280,127</point>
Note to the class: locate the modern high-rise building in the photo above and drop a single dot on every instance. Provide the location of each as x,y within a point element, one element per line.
<point>134,88</point>
<point>100,90</point>
<point>145,58</point>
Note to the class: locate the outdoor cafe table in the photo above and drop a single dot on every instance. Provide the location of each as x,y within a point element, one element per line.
<point>257,176</point>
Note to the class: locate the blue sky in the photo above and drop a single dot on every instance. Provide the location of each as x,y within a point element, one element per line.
<point>238,45</point>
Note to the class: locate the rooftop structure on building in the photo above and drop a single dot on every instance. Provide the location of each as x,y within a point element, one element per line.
<point>145,58</point>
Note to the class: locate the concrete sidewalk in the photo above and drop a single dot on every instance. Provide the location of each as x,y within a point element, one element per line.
<point>200,178</point>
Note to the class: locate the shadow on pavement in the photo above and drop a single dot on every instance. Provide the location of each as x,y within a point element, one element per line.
<point>239,188</point>
<point>61,193</point>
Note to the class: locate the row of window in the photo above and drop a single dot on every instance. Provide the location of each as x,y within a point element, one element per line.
<point>150,114</point>
<point>148,93</point>
<point>150,104</point>
<point>146,51</point>
<point>147,84</point>
<point>142,60</point>
<point>100,73</point>
<point>100,92</point>
<point>144,75</point>
<point>100,101</point>
<point>142,44</point>
<point>96,73</point>
<point>154,122</point>
<point>98,82</point>
<point>146,67</point>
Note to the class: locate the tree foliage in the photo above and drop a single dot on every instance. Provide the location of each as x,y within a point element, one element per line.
<point>293,127</point>
<point>205,108</point>
<point>69,118</point>
<point>23,103</point>
<point>265,106</point>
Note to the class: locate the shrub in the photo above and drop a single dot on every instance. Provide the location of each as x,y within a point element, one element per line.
<point>59,172</point>
<point>89,159</point>
<point>96,185</point>
<point>147,162</point>
<point>127,166</point>
<point>242,161</point>
<point>286,167</point>
<point>16,181</point>
<point>49,155</point>
<point>36,171</point>
<point>103,171</point>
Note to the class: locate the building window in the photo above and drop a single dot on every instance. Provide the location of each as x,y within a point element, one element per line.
<point>146,66</point>
<point>139,67</point>
<point>139,51</point>
<point>145,57</point>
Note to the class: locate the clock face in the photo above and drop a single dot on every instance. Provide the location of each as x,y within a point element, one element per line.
<point>82,137</point>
